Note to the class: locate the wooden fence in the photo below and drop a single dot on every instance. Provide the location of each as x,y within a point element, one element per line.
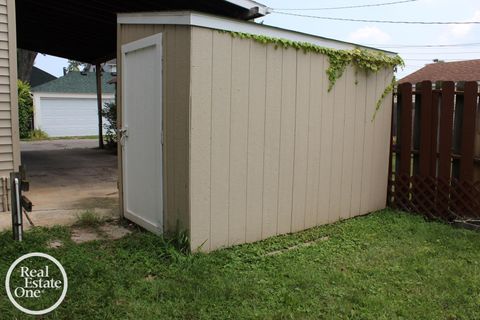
<point>435,149</point>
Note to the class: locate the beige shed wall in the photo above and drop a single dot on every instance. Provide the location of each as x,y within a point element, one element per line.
<point>9,135</point>
<point>176,94</point>
<point>271,151</point>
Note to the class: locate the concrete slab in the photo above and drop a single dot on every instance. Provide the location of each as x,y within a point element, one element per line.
<point>66,178</point>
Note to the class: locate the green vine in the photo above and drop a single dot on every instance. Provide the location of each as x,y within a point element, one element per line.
<point>385,93</point>
<point>362,59</point>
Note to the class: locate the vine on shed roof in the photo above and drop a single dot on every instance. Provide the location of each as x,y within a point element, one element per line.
<point>361,59</point>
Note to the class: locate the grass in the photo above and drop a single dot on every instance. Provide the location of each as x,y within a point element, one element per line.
<point>41,135</point>
<point>89,218</point>
<point>386,265</point>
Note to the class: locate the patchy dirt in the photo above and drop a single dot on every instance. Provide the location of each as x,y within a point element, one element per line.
<point>114,231</point>
<point>107,231</point>
<point>55,244</point>
<point>81,235</point>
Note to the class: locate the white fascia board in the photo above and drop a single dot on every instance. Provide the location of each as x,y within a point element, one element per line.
<point>220,23</point>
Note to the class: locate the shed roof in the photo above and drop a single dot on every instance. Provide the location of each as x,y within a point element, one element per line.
<point>204,20</point>
<point>467,70</point>
<point>77,82</point>
<point>86,30</point>
<point>39,77</point>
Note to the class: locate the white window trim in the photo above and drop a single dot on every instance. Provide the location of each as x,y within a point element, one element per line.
<point>189,18</point>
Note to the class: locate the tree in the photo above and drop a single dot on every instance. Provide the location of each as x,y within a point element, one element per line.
<point>25,60</point>
<point>74,65</point>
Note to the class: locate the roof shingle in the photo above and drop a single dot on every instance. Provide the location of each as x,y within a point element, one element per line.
<point>76,82</point>
<point>468,70</point>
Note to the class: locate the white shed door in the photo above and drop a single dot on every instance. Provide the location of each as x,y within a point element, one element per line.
<point>142,138</point>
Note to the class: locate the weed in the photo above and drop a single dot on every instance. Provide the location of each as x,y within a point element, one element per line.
<point>38,134</point>
<point>89,218</point>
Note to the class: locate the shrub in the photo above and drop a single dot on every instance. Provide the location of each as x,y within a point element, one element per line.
<point>109,112</point>
<point>38,134</point>
<point>25,109</point>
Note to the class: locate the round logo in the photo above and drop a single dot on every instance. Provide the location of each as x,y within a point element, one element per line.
<point>35,281</point>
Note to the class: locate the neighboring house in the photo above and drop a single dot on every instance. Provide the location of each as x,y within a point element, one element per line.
<point>468,70</point>
<point>39,77</point>
<point>109,66</point>
<point>67,106</point>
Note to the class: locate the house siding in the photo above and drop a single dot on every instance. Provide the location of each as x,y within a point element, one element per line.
<point>176,95</point>
<point>9,135</point>
<point>271,150</point>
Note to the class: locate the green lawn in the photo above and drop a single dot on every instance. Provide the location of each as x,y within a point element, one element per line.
<point>387,265</point>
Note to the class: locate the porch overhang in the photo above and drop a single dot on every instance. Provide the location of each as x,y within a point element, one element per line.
<point>86,30</point>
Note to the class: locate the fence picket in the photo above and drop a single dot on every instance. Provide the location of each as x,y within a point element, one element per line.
<point>441,139</point>
<point>468,131</point>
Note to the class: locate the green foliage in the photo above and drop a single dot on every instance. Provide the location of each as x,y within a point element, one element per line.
<point>386,92</point>
<point>361,59</point>
<point>89,218</point>
<point>74,65</point>
<point>38,134</point>
<point>387,265</point>
<point>25,109</point>
<point>109,112</point>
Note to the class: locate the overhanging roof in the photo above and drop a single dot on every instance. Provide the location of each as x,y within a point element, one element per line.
<point>86,30</point>
<point>190,18</point>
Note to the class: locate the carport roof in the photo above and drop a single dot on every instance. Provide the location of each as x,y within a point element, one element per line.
<point>86,30</point>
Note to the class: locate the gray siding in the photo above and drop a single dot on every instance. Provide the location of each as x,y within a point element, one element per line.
<point>271,151</point>
<point>9,136</point>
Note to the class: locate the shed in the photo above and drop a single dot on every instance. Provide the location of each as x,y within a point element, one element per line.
<point>236,139</point>
<point>67,106</point>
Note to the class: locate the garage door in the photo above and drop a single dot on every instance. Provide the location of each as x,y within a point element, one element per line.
<point>68,117</point>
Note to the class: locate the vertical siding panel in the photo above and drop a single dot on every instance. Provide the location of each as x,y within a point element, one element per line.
<point>348,139</point>
<point>337,148</point>
<point>370,101</point>
<point>326,137</point>
<point>200,134</point>
<point>238,140</point>
<point>358,143</point>
<point>317,77</point>
<point>287,141</point>
<point>170,132</point>
<point>383,147</point>
<point>379,171</point>
<point>272,141</point>
<point>301,141</point>
<point>181,101</point>
<point>256,124</point>
<point>221,86</point>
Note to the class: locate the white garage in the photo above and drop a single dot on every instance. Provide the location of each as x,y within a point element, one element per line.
<point>67,106</point>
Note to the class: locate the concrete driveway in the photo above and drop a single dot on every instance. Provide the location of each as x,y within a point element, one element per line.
<point>68,177</point>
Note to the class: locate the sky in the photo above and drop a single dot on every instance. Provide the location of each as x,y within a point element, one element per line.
<point>392,37</point>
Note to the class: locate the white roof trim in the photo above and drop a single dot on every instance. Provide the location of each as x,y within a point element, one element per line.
<point>214,22</point>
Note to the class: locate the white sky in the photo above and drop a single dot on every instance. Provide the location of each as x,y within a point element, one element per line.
<point>374,33</point>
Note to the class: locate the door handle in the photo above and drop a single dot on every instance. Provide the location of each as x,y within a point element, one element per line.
<point>123,132</point>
